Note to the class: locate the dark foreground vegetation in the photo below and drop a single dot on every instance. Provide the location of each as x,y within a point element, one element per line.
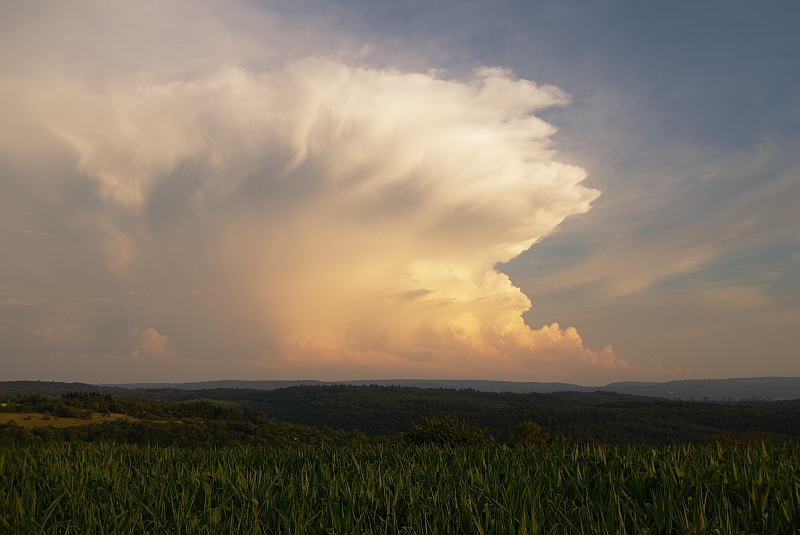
<point>422,489</point>
<point>430,461</point>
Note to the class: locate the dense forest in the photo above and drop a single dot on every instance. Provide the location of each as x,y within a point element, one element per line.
<point>599,416</point>
<point>337,414</point>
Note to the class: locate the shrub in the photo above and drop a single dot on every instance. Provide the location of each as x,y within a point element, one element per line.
<point>529,434</point>
<point>446,431</point>
<point>751,438</point>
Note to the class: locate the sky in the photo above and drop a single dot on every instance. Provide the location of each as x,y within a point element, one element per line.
<point>580,192</point>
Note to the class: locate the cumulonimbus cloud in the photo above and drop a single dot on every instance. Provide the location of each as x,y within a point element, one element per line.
<point>358,211</point>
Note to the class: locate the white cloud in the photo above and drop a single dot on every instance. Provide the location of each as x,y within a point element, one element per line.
<point>333,215</point>
<point>152,343</point>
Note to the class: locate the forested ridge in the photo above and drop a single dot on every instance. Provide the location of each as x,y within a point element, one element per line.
<point>336,414</point>
<point>600,416</point>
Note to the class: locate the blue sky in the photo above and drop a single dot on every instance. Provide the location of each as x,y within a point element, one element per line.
<point>334,190</point>
<point>686,117</point>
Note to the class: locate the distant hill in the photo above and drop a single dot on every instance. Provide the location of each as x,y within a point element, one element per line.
<point>766,388</point>
<point>482,386</point>
<point>753,388</point>
<point>772,388</point>
<point>377,410</point>
<point>52,388</point>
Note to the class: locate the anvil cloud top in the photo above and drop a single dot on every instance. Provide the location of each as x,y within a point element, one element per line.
<point>347,190</point>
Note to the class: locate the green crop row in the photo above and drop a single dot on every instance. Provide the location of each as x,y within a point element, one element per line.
<point>401,489</point>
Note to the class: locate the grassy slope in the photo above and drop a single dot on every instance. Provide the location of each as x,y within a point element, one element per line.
<point>31,420</point>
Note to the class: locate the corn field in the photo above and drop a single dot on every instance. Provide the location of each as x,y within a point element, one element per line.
<point>401,489</point>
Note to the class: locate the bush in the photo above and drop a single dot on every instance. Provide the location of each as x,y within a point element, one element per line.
<point>751,438</point>
<point>529,434</point>
<point>12,434</point>
<point>446,431</point>
<point>62,411</point>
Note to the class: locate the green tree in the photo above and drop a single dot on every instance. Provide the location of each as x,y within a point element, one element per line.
<point>529,434</point>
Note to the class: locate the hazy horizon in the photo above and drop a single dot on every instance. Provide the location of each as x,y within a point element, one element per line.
<point>740,389</point>
<point>343,190</point>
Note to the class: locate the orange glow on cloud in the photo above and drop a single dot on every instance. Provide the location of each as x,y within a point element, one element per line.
<point>357,213</point>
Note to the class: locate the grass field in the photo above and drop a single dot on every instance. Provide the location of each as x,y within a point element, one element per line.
<point>401,489</point>
<point>31,420</point>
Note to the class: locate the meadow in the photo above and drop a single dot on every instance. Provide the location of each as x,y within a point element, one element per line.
<point>34,420</point>
<point>401,488</point>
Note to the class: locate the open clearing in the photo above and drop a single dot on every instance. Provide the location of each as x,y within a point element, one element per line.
<point>31,419</point>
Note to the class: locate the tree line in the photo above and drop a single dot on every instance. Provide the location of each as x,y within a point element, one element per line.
<point>319,414</point>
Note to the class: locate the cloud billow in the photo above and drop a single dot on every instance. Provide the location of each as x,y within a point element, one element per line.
<point>334,217</point>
